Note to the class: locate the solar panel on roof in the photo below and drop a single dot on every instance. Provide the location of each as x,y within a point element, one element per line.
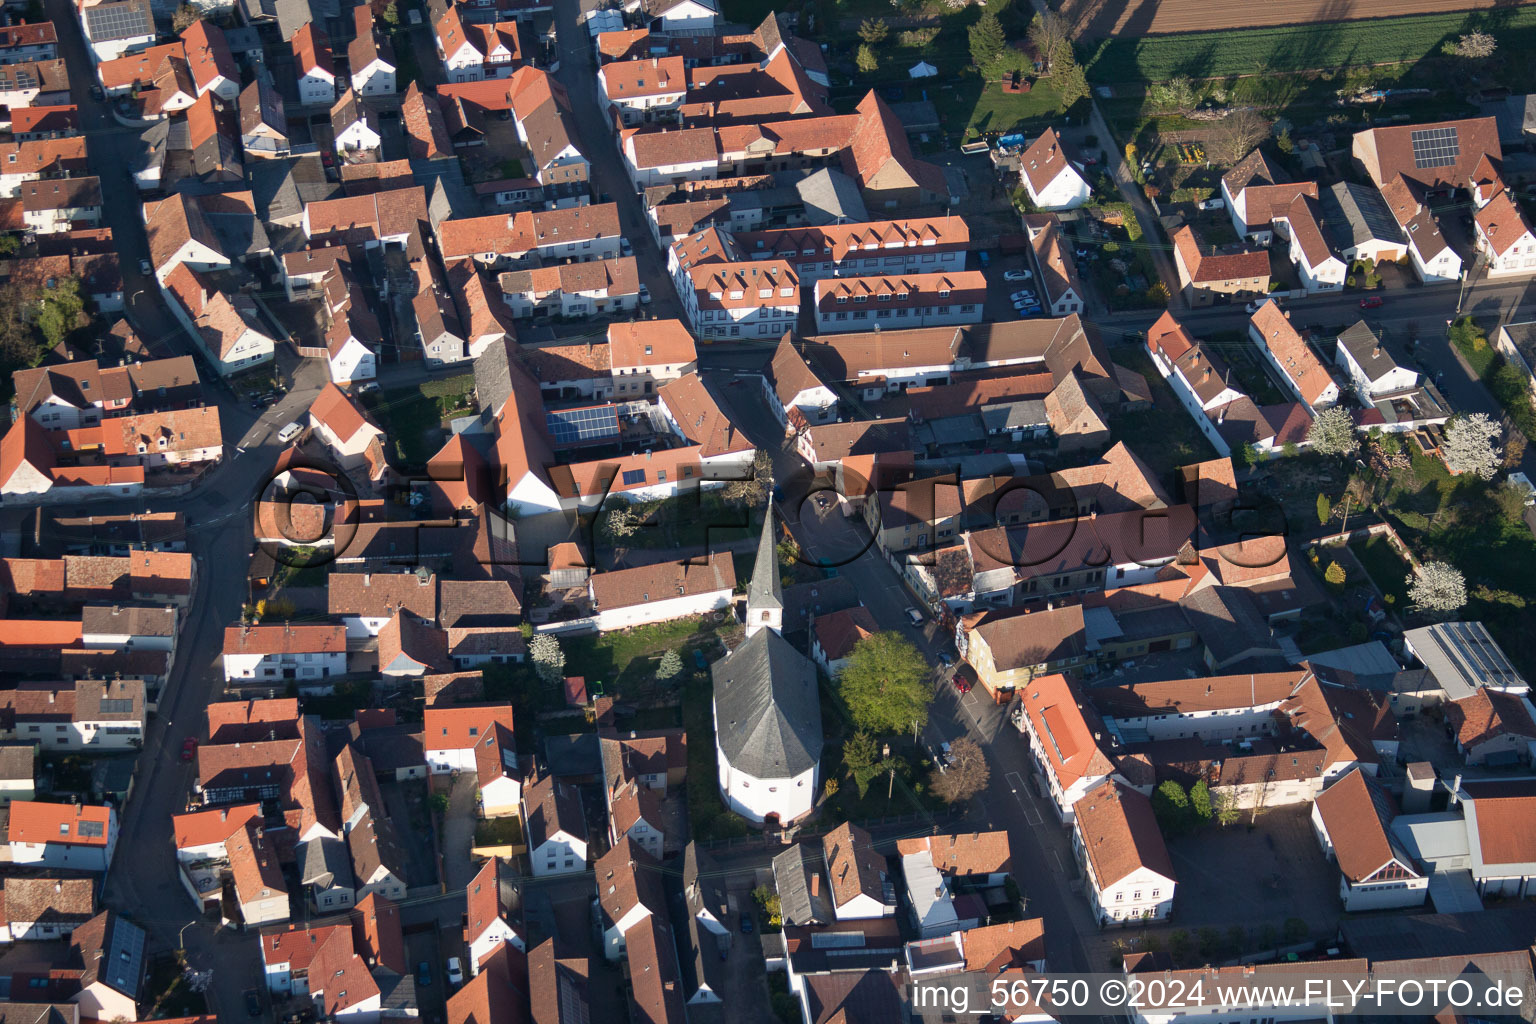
<point>1435,147</point>
<point>117,21</point>
<point>570,426</point>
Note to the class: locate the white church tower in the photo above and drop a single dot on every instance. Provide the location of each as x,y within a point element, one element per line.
<point>765,598</point>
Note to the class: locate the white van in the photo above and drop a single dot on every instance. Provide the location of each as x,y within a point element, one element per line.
<point>289,432</point>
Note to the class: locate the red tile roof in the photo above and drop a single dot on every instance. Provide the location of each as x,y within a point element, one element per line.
<point>68,824</point>
<point>462,726</point>
<point>1120,834</point>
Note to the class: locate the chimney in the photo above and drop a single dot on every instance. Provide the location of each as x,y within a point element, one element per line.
<point>1456,790</point>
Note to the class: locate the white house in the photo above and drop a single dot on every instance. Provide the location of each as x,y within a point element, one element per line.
<point>371,58</point>
<point>634,811</point>
<point>348,358</point>
<point>91,715</point>
<point>677,17</point>
<point>661,592</point>
<point>80,836</point>
<point>1062,741</point>
<point>554,827</point>
<point>642,89</point>
<point>1128,875</point>
<point>498,775</point>
<point>1197,376</point>
<point>488,925</point>
<point>282,651</point>
<point>862,885</point>
<point>451,733</point>
<point>1055,267</point>
<point>790,383</point>
<point>670,155</point>
<point>337,421</point>
<point>40,909</point>
<point>1504,236</point>
<point>1301,222</point>
<point>767,708</point>
<point>319,961</point>
<point>1432,256</point>
<point>1353,821</point>
<point>115,28</point>
<point>1292,358</point>
<point>1050,177</point>
<point>366,601</point>
<point>647,353</point>
<point>1371,368</point>
<point>596,288</point>
<point>55,205</point>
<point>735,300</point>
<point>354,126</point>
<point>629,891</point>
<point>834,636</point>
<point>312,57</point>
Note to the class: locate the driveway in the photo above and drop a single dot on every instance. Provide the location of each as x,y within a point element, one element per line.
<point>407,805</point>
<point>459,833</point>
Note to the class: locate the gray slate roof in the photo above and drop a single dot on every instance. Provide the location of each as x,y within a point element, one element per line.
<point>1228,622</point>
<point>765,591</point>
<point>831,197</point>
<point>326,862</point>
<point>1354,213</point>
<point>1366,348</point>
<point>792,870</point>
<point>767,708</point>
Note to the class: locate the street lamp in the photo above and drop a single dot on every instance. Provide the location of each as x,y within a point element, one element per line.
<point>890,786</point>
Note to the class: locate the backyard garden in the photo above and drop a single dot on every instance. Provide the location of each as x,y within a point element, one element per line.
<point>416,418</point>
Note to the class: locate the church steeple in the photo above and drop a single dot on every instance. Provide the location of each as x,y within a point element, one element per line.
<point>765,598</point>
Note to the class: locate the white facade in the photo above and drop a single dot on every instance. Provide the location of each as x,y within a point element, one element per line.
<point>1519,260</point>
<point>818,404</point>
<point>1442,268</point>
<point>1140,896</point>
<point>1067,191</point>
<point>1398,378</point>
<point>319,665</point>
<point>317,87</point>
<point>559,854</point>
<point>757,799</point>
<point>662,611</point>
<point>1394,885</point>
<point>68,855</point>
<point>354,361</point>
<point>377,79</point>
<point>358,136</point>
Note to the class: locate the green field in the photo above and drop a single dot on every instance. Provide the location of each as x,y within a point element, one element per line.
<point>1316,47</point>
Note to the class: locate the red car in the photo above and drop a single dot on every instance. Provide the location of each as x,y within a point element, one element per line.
<point>188,748</point>
<point>962,684</point>
<point>1371,302</point>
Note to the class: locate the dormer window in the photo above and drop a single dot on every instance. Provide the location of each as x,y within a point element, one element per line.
<point>943,293</point>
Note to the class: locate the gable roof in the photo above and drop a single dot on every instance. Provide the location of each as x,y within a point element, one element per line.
<point>854,867</point>
<point>1119,834</point>
<point>1357,815</point>
<point>1487,715</point>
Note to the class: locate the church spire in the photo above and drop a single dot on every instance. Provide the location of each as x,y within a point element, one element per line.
<point>765,598</point>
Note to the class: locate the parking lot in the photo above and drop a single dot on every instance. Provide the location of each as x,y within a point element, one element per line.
<point>1255,879</point>
<point>1000,290</point>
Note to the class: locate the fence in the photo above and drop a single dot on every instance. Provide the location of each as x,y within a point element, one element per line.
<point>1365,533</point>
<point>785,837</point>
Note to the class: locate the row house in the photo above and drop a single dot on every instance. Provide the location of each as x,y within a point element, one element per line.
<point>370,56</point>
<point>474,51</point>
<point>313,65</point>
<point>1129,875</point>
<point>40,909</point>
<point>209,60</point>
<point>66,396</point>
<point>452,733</point>
<point>117,27</point>
<point>907,300</point>
<point>555,827</point>
<point>41,82</point>
<point>284,651</point>
<point>1301,222</point>
<point>25,43</point>
<point>793,390</point>
<point>50,122</point>
<point>1353,821</point>
<point>439,329</point>
<point>57,205</point>
<point>641,90</point>
<point>646,354</point>
<point>93,715</point>
<point>228,328</point>
<point>30,469</point>
<point>228,845</point>
<point>573,289</point>
<point>725,296</point>
<point>541,112</point>
<point>34,159</point>
<point>581,234</point>
<point>78,836</point>
<point>322,961</point>
<point>490,924</point>
<point>660,592</point>
<point>1200,378</point>
<point>1359,224</point>
<point>1433,258</point>
<point>926,246</point>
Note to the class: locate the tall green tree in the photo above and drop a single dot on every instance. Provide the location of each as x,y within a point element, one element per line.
<point>1200,803</point>
<point>670,665</point>
<point>987,40</point>
<point>59,309</point>
<point>873,30</point>
<point>1324,509</point>
<point>866,60</point>
<point>883,685</point>
<point>862,758</point>
<point>1171,805</point>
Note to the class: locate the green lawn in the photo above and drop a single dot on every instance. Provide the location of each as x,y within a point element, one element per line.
<point>1388,571</point>
<point>976,106</point>
<point>1319,46</point>
<point>414,417</point>
<point>498,832</point>
<point>624,661</point>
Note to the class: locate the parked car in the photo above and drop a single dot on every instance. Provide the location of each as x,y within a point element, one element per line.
<point>625,249</point>
<point>368,387</point>
<point>962,684</point>
<point>746,923</point>
<point>984,258</point>
<point>946,659</point>
<point>1212,204</point>
<point>145,268</point>
<point>1371,302</point>
<point>189,748</point>
<point>645,296</point>
<point>1024,295</point>
<point>1255,305</point>
<point>98,94</point>
<point>253,1002</point>
<point>1081,254</point>
<point>914,616</point>
<point>289,432</point>
<point>455,971</point>
<point>424,974</point>
<point>1019,275</point>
